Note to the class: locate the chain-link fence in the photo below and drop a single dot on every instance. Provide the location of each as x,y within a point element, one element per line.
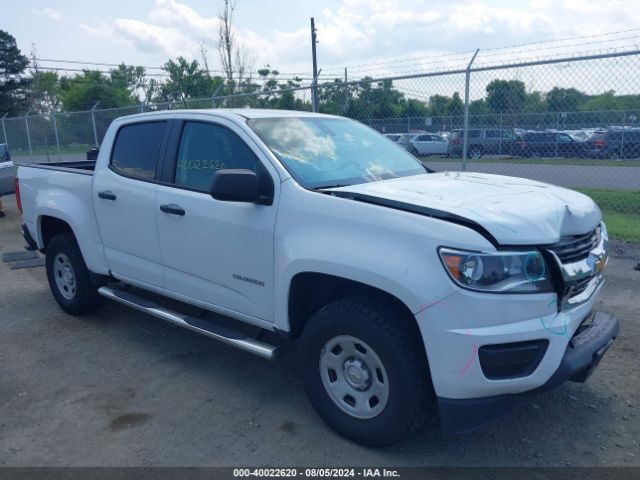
<point>571,121</point>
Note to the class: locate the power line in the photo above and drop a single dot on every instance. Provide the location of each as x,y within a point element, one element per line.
<point>498,50</point>
<point>160,75</point>
<point>102,64</point>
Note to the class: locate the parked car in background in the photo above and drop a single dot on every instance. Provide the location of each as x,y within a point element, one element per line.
<point>405,139</point>
<point>7,171</point>
<point>394,137</point>
<point>550,144</point>
<point>483,141</point>
<point>428,144</point>
<point>614,144</point>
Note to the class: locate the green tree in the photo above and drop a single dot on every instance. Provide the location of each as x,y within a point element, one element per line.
<point>127,77</point>
<point>479,107</point>
<point>455,106</point>
<point>44,91</point>
<point>187,80</point>
<point>12,83</point>
<point>565,99</point>
<point>81,92</point>
<point>506,96</point>
<point>438,105</point>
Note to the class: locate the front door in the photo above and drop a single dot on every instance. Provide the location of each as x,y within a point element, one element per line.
<point>125,203</point>
<point>216,252</point>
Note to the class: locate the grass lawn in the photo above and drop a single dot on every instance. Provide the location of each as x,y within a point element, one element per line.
<point>621,212</point>
<point>75,148</point>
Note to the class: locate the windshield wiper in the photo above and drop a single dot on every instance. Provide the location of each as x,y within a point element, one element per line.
<point>337,185</point>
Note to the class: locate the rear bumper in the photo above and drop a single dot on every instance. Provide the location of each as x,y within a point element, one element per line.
<point>583,353</point>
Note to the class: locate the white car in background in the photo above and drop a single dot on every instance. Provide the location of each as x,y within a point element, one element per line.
<point>428,144</point>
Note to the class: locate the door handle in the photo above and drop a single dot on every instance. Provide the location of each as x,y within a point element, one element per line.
<point>107,195</point>
<point>173,209</point>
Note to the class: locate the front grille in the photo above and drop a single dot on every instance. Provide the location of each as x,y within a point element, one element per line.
<point>578,287</point>
<point>577,247</point>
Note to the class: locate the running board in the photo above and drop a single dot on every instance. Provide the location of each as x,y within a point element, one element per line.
<point>217,332</point>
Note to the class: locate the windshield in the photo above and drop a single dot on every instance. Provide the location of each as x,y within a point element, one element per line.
<point>327,152</point>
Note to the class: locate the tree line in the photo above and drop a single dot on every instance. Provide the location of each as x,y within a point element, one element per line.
<point>26,87</point>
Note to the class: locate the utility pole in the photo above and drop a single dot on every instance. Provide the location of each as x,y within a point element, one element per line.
<point>314,87</point>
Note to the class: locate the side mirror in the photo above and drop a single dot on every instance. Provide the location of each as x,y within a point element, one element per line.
<point>235,185</point>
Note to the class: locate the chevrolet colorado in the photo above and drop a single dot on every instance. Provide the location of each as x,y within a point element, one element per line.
<point>409,292</point>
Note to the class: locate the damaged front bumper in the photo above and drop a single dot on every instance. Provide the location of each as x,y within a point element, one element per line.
<point>583,353</point>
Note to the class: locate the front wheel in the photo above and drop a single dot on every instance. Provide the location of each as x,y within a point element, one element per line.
<point>365,372</point>
<point>69,277</point>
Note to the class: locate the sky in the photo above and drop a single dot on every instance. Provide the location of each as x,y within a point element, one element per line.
<point>367,36</point>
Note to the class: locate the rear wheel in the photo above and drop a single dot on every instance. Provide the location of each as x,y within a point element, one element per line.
<point>475,153</point>
<point>69,277</point>
<point>613,155</point>
<point>365,371</point>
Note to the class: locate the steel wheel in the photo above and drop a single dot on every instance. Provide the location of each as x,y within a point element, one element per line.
<point>65,276</point>
<point>354,377</point>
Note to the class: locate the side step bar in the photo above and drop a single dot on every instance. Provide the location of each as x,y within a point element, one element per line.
<point>217,332</point>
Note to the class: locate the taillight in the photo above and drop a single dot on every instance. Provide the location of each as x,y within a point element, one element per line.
<point>523,145</point>
<point>599,143</point>
<point>455,141</point>
<point>16,185</point>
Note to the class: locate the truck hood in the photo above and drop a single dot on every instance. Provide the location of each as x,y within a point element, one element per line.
<point>515,211</point>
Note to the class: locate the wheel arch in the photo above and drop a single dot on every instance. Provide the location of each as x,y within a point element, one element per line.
<point>49,227</point>
<point>310,291</point>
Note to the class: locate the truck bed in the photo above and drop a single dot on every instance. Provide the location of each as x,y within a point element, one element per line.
<point>85,167</point>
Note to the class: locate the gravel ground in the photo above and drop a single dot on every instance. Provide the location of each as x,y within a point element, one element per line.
<point>121,388</point>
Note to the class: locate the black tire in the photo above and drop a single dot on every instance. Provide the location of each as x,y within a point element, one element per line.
<point>475,153</point>
<point>613,155</point>
<point>398,344</point>
<point>84,297</point>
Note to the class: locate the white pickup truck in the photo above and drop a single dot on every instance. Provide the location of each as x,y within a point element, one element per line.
<point>409,292</point>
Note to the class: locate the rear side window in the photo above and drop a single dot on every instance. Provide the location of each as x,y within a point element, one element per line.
<point>206,148</point>
<point>508,134</point>
<point>136,150</point>
<point>474,134</point>
<point>492,134</point>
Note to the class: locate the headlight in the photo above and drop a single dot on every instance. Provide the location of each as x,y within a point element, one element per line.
<point>500,272</point>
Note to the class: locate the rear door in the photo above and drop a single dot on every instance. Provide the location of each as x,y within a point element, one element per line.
<point>215,253</point>
<point>493,141</point>
<point>422,143</point>
<point>125,202</point>
<point>439,145</point>
<point>567,146</point>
